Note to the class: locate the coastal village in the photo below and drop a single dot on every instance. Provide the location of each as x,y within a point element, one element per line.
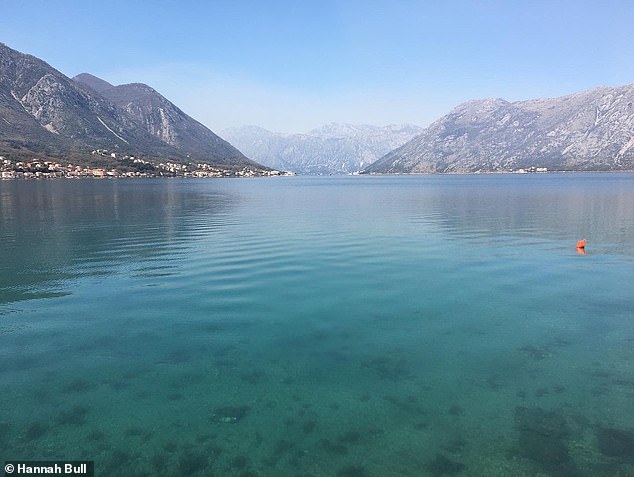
<point>40,169</point>
<point>134,167</point>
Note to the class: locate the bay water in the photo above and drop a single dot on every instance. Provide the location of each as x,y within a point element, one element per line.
<point>320,326</point>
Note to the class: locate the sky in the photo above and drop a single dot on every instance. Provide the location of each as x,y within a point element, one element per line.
<point>291,66</point>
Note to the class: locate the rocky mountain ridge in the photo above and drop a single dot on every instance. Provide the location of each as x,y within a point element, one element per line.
<point>590,130</point>
<point>332,149</point>
<point>43,113</point>
<point>165,121</point>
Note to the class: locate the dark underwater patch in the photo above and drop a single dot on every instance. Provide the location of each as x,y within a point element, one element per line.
<point>443,465</point>
<point>543,438</point>
<point>616,442</point>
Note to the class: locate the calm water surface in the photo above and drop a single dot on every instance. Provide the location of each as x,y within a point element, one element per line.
<point>349,326</point>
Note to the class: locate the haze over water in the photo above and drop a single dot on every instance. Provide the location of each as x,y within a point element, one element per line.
<point>351,326</point>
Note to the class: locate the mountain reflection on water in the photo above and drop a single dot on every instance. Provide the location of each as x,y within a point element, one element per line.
<point>56,230</point>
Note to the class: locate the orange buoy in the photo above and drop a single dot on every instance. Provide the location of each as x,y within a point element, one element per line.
<point>581,243</point>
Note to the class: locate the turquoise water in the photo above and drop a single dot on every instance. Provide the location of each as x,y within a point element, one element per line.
<point>345,326</point>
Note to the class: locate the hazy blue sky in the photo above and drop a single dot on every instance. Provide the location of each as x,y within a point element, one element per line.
<point>294,65</point>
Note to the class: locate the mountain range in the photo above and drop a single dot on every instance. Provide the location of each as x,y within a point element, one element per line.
<point>331,149</point>
<point>43,113</point>
<point>590,130</point>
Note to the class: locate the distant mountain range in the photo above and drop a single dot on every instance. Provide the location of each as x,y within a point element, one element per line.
<point>591,130</point>
<point>331,149</point>
<point>44,113</point>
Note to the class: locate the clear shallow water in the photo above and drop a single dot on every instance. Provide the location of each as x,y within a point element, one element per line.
<point>320,326</point>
